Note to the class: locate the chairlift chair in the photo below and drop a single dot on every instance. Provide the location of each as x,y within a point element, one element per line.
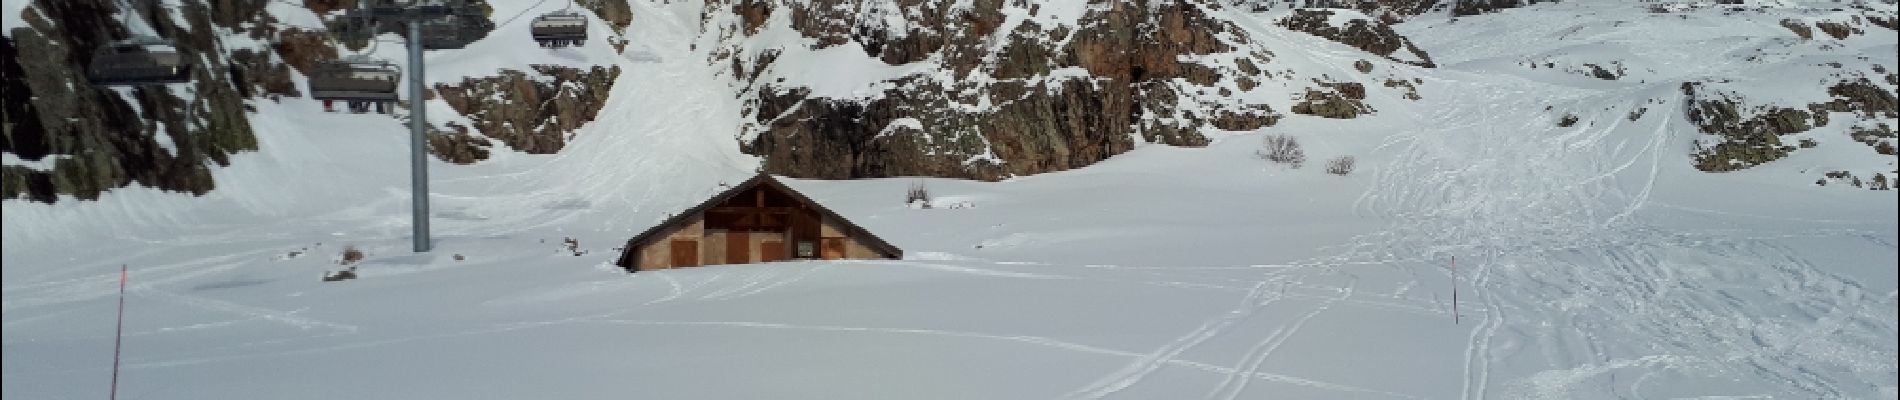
<point>140,60</point>
<point>358,80</point>
<point>559,29</point>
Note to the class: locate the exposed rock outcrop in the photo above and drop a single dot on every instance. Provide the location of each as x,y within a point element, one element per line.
<point>1341,100</point>
<point>1861,96</point>
<point>532,112</point>
<point>1017,99</point>
<point>81,140</point>
<point>458,146</point>
<point>1746,137</point>
<point>1474,7</point>
<point>1836,29</point>
<point>1799,28</point>
<point>157,136</point>
<point>1879,136</point>
<point>1361,33</point>
<point>615,12</point>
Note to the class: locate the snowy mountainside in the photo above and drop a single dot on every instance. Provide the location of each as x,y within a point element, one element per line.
<point>993,89</point>
<point>1752,88</point>
<point>1484,248</point>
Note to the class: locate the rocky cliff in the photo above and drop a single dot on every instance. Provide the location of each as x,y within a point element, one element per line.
<point>532,112</point>
<point>66,137</point>
<point>985,90</point>
<point>80,140</point>
<point>1393,11</point>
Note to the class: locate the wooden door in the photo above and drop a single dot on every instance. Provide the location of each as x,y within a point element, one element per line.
<point>772,251</point>
<point>832,248</point>
<point>685,253</point>
<point>738,247</point>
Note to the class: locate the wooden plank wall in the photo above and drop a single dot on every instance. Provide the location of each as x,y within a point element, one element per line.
<point>658,253</point>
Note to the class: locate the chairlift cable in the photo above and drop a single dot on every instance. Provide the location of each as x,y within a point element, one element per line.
<point>524,11</point>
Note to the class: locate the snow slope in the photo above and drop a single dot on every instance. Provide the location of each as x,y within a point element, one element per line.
<point>1591,262</point>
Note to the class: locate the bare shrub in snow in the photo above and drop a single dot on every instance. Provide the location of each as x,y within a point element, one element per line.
<point>351,255</point>
<point>1282,149</point>
<point>1341,165</point>
<point>918,195</point>
<point>573,246</point>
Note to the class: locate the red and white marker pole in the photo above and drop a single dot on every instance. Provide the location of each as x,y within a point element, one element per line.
<point>1454,290</point>
<point>118,337</point>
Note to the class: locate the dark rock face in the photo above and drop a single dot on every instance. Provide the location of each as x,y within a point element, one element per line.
<point>1745,141</point>
<point>1879,136</point>
<point>303,49</point>
<point>1884,22</point>
<point>458,146</point>
<point>1393,11</point>
<point>1339,100</point>
<point>96,139</point>
<point>1597,71</point>
<point>1799,28</point>
<point>618,16</point>
<point>615,12</point>
<point>1863,97</point>
<point>1836,29</point>
<point>1372,36</point>
<point>103,138</point>
<point>1750,137</point>
<point>1474,7</point>
<point>530,112</point>
<point>1388,11</point>
<point>1011,101</point>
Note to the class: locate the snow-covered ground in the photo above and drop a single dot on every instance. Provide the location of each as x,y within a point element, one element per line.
<point>1591,261</point>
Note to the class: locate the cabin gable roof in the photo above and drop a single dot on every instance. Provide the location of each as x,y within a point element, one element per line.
<point>628,253</point>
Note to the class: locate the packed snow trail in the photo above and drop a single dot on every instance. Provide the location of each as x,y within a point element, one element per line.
<point>1549,215</point>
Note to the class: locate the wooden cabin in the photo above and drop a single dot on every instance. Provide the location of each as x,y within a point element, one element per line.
<point>759,220</point>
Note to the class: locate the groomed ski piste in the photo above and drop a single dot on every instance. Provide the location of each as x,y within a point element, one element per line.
<point>1591,261</point>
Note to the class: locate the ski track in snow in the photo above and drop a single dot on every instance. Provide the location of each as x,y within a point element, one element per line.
<point>1259,353</point>
<point>1034,340</point>
<point>1450,195</point>
<point>1257,297</point>
<point>284,317</point>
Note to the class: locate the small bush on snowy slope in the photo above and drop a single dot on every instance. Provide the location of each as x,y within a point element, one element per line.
<point>1341,165</point>
<point>572,245</point>
<point>1282,149</point>
<point>351,255</point>
<point>918,195</point>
